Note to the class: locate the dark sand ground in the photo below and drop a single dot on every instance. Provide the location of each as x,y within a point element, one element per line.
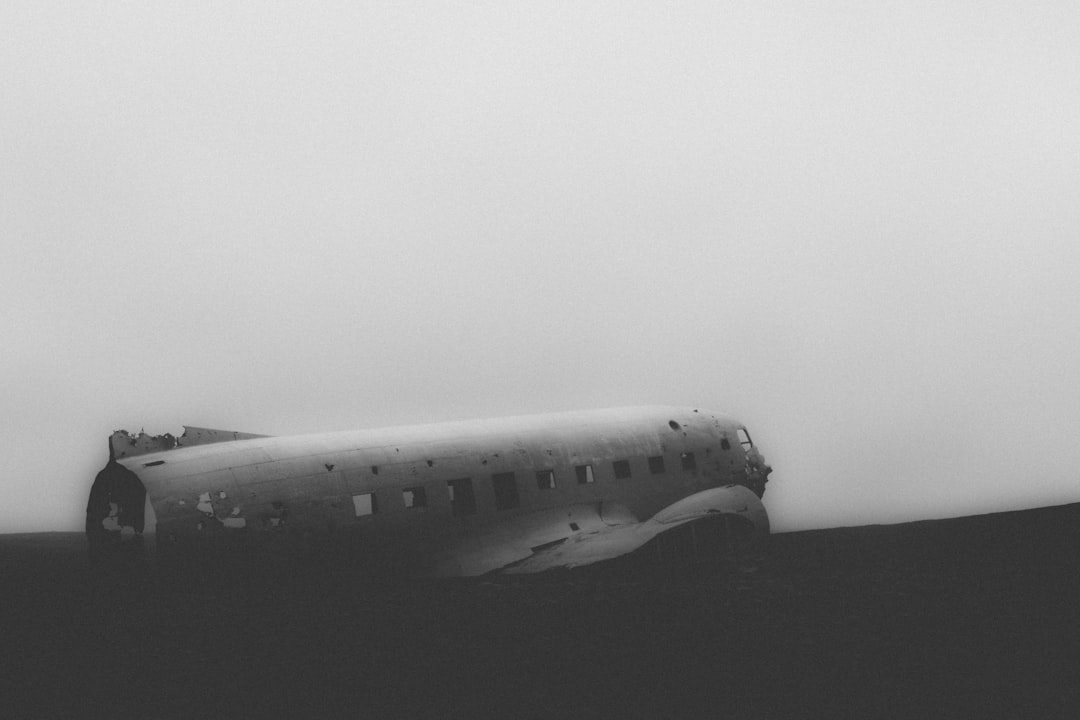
<point>971,617</point>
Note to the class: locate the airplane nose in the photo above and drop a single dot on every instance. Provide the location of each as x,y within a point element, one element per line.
<point>757,471</point>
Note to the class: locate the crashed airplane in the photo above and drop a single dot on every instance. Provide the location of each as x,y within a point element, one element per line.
<point>517,494</point>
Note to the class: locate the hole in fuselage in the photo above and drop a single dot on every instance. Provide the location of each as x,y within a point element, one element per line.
<point>116,512</point>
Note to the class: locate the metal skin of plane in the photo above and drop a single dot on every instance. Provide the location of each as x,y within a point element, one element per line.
<point>516,494</point>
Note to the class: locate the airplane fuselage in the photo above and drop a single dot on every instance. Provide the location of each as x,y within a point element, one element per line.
<point>450,498</point>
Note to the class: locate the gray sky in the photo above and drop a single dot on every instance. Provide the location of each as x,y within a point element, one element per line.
<point>852,225</point>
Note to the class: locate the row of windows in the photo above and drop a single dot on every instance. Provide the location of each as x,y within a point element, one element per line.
<point>504,485</point>
<point>622,467</point>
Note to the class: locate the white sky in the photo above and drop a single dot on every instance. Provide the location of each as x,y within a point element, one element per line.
<point>852,225</point>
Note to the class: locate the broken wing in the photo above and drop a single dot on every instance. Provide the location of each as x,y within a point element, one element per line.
<point>587,534</point>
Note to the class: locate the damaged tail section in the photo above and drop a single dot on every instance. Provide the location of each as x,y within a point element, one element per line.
<point>116,513</point>
<point>116,509</point>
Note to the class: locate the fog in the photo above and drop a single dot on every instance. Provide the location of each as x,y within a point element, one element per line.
<point>852,226</point>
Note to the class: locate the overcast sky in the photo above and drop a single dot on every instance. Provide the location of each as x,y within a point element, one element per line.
<point>854,226</point>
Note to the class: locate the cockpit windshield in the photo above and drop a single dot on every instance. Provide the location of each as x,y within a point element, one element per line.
<point>744,439</point>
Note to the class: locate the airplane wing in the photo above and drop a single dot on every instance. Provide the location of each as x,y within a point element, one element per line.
<point>586,534</point>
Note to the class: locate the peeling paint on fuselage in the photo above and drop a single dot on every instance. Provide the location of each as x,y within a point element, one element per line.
<point>204,505</point>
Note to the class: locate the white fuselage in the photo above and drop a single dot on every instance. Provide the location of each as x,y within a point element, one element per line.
<point>457,497</point>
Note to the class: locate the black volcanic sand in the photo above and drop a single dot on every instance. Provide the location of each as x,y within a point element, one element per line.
<point>970,617</point>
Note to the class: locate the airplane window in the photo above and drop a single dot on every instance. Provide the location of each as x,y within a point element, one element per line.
<point>545,479</point>
<point>364,504</point>
<point>744,439</point>
<point>414,497</point>
<point>622,469</point>
<point>462,500</point>
<point>656,465</point>
<point>688,461</point>
<point>584,474</point>
<point>724,444</point>
<point>506,492</point>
